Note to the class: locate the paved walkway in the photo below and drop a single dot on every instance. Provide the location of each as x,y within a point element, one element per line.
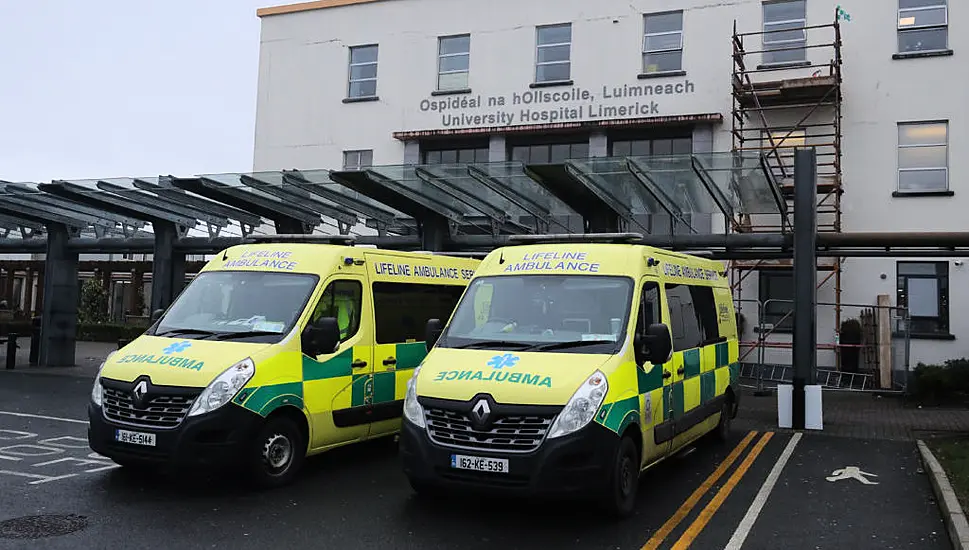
<point>859,415</point>
<point>88,357</point>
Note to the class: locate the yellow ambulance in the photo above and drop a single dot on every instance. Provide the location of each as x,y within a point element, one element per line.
<point>274,351</point>
<point>571,364</point>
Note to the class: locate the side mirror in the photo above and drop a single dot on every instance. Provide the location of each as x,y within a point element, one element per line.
<point>432,332</point>
<point>321,337</point>
<point>656,345</point>
<point>156,315</point>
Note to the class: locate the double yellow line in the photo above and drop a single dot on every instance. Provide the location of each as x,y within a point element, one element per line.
<point>711,508</point>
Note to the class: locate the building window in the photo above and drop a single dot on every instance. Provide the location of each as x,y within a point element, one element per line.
<point>357,160</point>
<point>363,72</point>
<point>923,157</point>
<point>785,40</point>
<point>923,25</point>
<point>776,293</point>
<point>651,147</point>
<point>457,156</point>
<point>453,62</point>
<point>923,288</point>
<point>556,153</point>
<point>554,51</point>
<point>663,42</point>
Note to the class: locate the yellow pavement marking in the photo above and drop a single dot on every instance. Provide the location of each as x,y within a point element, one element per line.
<point>692,501</point>
<point>711,508</point>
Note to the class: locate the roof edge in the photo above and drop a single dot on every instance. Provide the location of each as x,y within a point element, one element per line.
<point>308,6</point>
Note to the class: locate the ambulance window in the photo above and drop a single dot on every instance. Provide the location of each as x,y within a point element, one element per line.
<point>401,310</point>
<point>683,319</point>
<point>649,309</point>
<point>344,301</point>
<point>706,310</point>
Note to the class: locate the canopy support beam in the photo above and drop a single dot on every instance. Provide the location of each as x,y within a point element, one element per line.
<point>58,329</point>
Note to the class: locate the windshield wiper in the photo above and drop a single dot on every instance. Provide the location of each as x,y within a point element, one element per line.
<point>492,343</point>
<point>566,345</point>
<point>245,333</point>
<point>185,332</point>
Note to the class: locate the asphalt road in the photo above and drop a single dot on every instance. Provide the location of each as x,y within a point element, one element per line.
<point>357,497</point>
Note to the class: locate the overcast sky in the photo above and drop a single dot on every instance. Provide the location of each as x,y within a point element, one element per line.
<point>108,88</point>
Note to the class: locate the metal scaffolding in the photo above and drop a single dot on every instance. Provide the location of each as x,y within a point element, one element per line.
<point>787,93</point>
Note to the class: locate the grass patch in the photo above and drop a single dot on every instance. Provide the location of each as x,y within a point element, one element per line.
<point>953,454</point>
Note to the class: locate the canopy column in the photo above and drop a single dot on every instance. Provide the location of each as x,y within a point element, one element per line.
<point>59,319</point>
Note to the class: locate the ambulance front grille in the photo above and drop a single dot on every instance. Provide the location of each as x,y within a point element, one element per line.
<point>514,434</point>
<point>162,411</point>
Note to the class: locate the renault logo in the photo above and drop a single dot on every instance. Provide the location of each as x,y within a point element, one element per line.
<point>480,411</point>
<point>139,392</point>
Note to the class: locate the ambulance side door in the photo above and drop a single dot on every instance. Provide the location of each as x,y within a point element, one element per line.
<point>336,386</point>
<point>655,381</point>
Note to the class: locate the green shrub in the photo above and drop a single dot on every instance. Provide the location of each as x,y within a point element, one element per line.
<point>942,384</point>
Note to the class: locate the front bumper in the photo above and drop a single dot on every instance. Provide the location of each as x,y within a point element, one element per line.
<point>218,438</point>
<point>573,465</point>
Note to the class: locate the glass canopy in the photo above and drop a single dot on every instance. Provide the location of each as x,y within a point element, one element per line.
<point>638,192</point>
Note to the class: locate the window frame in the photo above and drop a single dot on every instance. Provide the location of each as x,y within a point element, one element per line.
<point>348,167</point>
<point>783,44</point>
<point>539,46</point>
<point>901,31</point>
<point>941,276</point>
<point>647,35</point>
<point>351,65</point>
<point>441,56</point>
<point>764,295</point>
<point>898,151</point>
<point>376,290</point>
<point>355,323</point>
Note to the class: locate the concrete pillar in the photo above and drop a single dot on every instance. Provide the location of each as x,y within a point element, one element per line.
<point>168,269</point>
<point>598,144</point>
<point>59,325</point>
<point>412,152</point>
<point>885,359</point>
<point>703,139</point>
<point>434,232</point>
<point>497,148</point>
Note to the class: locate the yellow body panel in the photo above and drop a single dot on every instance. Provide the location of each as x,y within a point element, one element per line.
<point>353,381</point>
<point>674,403</point>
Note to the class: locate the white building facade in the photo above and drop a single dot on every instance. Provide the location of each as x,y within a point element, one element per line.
<point>346,84</point>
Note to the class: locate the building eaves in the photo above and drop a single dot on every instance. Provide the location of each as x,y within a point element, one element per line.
<point>308,6</point>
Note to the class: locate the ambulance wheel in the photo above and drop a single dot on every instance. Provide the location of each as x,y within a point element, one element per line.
<point>278,454</point>
<point>723,427</point>
<point>620,499</point>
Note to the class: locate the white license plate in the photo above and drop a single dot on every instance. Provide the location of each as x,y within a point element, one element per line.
<point>135,438</point>
<point>480,464</point>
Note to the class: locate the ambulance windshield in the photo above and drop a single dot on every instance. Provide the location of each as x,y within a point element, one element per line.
<point>239,305</point>
<point>563,313</point>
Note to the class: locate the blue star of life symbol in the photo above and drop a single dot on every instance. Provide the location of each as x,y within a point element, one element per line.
<point>177,347</point>
<point>501,361</point>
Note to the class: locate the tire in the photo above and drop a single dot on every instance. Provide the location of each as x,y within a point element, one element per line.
<point>722,432</point>
<point>620,498</point>
<point>277,453</point>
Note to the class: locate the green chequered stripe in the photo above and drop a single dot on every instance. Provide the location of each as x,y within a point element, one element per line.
<point>362,389</point>
<point>708,386</point>
<point>384,387</point>
<point>691,362</point>
<point>678,399</point>
<point>616,416</point>
<point>410,355</point>
<point>723,354</point>
<point>734,373</point>
<point>334,367</point>
<point>649,381</point>
<point>265,399</point>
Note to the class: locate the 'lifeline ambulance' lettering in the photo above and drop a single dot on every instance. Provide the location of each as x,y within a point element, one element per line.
<point>272,259</point>
<point>687,272</point>
<point>180,362</point>
<point>554,261</point>
<point>496,376</point>
<point>424,271</point>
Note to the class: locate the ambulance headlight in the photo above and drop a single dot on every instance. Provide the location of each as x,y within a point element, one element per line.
<point>224,387</point>
<point>582,407</point>
<point>97,392</point>
<point>412,409</point>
